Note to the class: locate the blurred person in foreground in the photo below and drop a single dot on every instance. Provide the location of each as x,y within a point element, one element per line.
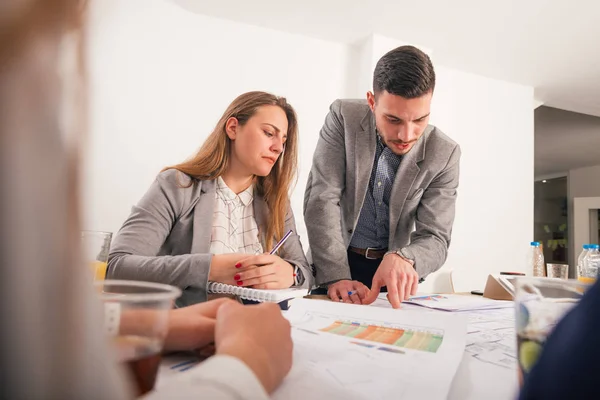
<point>53,345</point>
<point>567,367</point>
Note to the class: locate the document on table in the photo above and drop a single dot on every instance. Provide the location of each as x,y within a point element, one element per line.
<point>359,352</point>
<point>489,366</point>
<point>457,302</point>
<point>491,337</point>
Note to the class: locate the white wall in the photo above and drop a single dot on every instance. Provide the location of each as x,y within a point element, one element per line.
<point>493,123</point>
<point>161,77</point>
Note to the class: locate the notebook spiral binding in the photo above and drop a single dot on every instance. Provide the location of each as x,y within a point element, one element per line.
<point>244,293</point>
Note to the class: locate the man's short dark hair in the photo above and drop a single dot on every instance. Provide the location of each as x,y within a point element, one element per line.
<point>405,71</point>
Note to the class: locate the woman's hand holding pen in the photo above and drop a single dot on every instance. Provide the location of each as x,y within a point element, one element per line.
<point>222,267</point>
<point>261,271</point>
<point>264,271</point>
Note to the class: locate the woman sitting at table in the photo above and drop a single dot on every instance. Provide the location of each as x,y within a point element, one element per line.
<point>213,217</point>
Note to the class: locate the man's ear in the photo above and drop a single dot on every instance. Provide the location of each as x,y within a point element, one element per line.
<point>231,127</point>
<point>371,100</point>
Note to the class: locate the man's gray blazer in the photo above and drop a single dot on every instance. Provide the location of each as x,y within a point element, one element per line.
<point>422,200</point>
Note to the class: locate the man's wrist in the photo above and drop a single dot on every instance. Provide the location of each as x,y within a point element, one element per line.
<point>400,254</point>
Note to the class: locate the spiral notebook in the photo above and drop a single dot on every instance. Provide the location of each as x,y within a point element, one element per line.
<point>260,295</point>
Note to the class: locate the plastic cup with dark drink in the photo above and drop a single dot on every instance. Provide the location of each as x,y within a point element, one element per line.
<point>540,303</point>
<point>136,320</point>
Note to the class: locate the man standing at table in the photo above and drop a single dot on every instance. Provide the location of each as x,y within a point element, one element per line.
<point>379,202</point>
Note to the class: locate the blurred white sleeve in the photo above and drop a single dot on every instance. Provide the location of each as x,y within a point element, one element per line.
<point>219,378</point>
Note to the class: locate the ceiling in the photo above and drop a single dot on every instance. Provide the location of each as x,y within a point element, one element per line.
<point>551,45</point>
<point>564,140</point>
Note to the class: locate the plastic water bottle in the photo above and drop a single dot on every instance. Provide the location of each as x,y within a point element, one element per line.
<point>591,264</point>
<point>584,252</point>
<point>536,259</point>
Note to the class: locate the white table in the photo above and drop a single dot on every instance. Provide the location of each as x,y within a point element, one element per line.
<point>475,379</point>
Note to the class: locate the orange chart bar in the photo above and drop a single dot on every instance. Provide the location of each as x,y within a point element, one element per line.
<point>404,338</point>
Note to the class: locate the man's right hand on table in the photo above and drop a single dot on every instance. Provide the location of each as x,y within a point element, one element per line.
<point>348,291</point>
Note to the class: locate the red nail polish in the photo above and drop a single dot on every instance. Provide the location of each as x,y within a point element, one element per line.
<point>238,265</point>
<point>295,275</point>
<point>240,283</point>
<point>237,277</point>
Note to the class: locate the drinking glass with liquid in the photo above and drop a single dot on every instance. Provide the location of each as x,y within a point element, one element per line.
<point>540,303</point>
<point>136,320</point>
<point>96,246</point>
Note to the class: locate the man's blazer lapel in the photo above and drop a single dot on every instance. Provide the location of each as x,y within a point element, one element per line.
<point>365,148</point>
<point>405,178</point>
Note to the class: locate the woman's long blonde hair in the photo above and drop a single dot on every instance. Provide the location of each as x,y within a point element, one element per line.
<point>212,160</point>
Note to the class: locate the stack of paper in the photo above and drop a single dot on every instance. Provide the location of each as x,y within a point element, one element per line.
<point>457,302</point>
<point>357,352</point>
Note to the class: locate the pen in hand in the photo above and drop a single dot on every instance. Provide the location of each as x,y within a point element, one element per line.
<point>281,242</point>
<point>278,245</point>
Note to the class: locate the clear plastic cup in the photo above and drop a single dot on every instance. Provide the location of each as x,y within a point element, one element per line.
<point>96,246</point>
<point>540,303</point>
<point>136,321</point>
<point>560,271</point>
